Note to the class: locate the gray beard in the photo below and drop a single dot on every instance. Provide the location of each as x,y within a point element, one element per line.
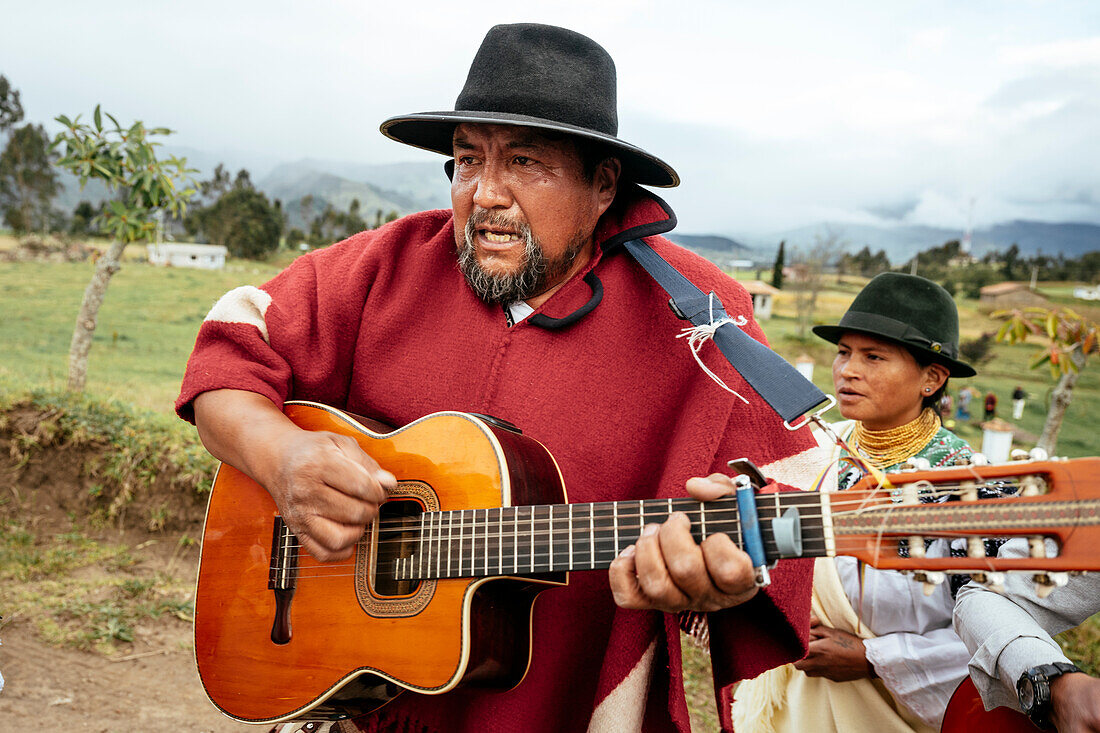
<point>536,273</point>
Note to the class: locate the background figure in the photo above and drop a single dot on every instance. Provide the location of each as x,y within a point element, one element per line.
<point>1019,399</point>
<point>883,657</point>
<point>964,404</point>
<point>990,406</point>
<point>946,404</point>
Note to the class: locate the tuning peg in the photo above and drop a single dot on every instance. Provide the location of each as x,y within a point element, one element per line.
<point>917,463</point>
<point>979,459</point>
<point>1019,454</point>
<point>1047,582</point>
<point>930,579</point>
<point>992,580</point>
<point>1038,454</point>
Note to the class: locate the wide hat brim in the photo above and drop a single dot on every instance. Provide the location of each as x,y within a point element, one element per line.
<point>540,76</point>
<point>435,130</point>
<point>907,310</point>
<point>833,334</point>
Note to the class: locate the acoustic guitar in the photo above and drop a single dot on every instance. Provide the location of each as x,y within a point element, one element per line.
<point>439,591</point>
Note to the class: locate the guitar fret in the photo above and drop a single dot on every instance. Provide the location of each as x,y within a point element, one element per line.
<point>450,543</point>
<point>470,551</point>
<point>485,550</point>
<point>420,545</point>
<point>570,536</point>
<point>461,540</point>
<point>500,541</point>
<point>550,538</point>
<point>532,539</point>
<point>592,537</point>
<point>703,521</point>
<point>615,523</point>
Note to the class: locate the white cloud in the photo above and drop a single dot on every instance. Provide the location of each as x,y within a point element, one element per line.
<point>1061,54</point>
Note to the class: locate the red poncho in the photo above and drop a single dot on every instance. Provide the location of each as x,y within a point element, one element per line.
<point>384,325</point>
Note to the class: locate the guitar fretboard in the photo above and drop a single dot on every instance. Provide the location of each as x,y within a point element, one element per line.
<point>525,540</point>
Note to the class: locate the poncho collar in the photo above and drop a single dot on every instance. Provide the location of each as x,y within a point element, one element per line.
<point>635,213</point>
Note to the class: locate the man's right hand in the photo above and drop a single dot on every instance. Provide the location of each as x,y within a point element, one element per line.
<point>326,488</point>
<point>1075,703</point>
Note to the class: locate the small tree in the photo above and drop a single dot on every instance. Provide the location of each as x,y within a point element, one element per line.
<point>777,269</point>
<point>125,159</point>
<point>1070,341</point>
<point>809,268</point>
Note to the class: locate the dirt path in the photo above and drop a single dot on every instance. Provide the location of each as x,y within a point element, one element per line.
<point>48,688</point>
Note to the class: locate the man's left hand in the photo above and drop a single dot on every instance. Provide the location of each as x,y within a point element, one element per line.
<point>665,570</point>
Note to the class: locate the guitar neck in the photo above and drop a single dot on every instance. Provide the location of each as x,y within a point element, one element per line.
<point>561,537</point>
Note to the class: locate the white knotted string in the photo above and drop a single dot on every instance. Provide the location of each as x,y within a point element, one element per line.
<point>699,335</point>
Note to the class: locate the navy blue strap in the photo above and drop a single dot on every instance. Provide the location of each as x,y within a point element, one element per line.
<point>787,392</point>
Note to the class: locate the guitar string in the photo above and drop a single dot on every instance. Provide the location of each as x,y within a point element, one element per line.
<point>604,558</point>
<point>605,555</point>
<point>714,521</point>
<point>603,533</point>
<point>891,514</point>
<point>605,511</point>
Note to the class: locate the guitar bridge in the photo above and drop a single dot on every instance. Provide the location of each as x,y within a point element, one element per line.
<point>282,577</point>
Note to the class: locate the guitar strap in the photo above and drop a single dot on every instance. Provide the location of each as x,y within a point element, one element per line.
<point>785,390</point>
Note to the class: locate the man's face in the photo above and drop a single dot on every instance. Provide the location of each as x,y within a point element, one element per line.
<point>524,210</point>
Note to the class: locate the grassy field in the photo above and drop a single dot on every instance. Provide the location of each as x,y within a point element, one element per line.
<point>148,323</point>
<point>146,328</point>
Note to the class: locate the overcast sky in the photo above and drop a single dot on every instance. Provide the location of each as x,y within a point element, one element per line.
<point>775,114</point>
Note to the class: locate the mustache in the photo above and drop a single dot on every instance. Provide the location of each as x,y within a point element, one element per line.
<point>496,220</point>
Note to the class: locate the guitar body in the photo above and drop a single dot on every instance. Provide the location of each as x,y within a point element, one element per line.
<point>966,714</point>
<point>341,638</point>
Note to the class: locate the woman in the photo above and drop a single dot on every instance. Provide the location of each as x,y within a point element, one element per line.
<point>883,656</point>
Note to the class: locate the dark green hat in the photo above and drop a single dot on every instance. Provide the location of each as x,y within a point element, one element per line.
<point>908,310</point>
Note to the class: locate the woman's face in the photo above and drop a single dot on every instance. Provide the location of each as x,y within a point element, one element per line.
<point>879,382</point>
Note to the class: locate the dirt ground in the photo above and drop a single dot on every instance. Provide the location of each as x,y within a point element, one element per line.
<point>153,685</point>
<point>150,684</point>
<point>60,689</point>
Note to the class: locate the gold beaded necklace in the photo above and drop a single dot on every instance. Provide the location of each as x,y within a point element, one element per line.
<point>884,448</point>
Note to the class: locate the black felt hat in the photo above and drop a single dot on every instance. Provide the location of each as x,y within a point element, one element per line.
<point>537,76</point>
<point>908,310</point>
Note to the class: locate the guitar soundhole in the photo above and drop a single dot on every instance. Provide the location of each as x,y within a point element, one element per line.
<point>399,528</point>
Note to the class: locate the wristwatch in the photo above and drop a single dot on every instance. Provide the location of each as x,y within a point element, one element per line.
<point>1033,690</point>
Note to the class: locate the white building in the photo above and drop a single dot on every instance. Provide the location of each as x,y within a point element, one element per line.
<point>762,295</point>
<point>174,254</point>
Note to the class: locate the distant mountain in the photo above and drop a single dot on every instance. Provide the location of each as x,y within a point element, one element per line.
<point>424,183</point>
<point>1070,239</point>
<point>902,242</point>
<point>403,188</point>
<point>712,243</point>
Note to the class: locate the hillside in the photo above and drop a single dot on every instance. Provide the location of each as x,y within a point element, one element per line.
<point>902,242</point>
<point>711,243</point>
<point>291,183</point>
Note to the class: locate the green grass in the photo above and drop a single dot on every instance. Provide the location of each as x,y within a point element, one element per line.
<point>83,593</point>
<point>145,330</point>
